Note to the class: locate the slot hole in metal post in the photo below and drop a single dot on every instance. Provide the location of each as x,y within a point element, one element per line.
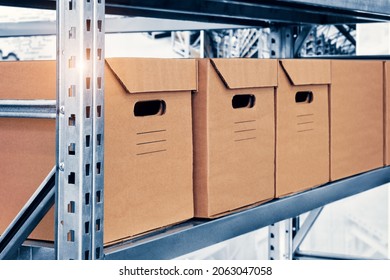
<point>99,82</point>
<point>87,198</point>
<point>72,120</point>
<point>72,33</point>
<point>71,6</point>
<point>72,91</point>
<point>99,54</point>
<point>70,236</point>
<point>88,83</point>
<point>98,196</point>
<point>99,111</point>
<point>98,225</point>
<point>99,139</point>
<point>98,167</point>
<point>87,169</point>
<point>88,112</point>
<point>88,24</point>
<point>97,253</point>
<point>99,25</point>
<point>71,207</point>
<point>72,149</point>
<point>72,62</point>
<point>86,227</point>
<point>86,255</point>
<point>87,140</point>
<point>88,53</point>
<point>72,178</point>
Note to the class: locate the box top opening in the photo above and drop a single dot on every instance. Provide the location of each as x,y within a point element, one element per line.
<point>154,75</point>
<point>307,71</point>
<point>246,73</point>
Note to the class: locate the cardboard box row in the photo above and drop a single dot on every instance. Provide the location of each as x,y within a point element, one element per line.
<point>203,138</point>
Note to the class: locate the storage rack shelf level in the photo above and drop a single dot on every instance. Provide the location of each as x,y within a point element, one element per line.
<point>196,234</point>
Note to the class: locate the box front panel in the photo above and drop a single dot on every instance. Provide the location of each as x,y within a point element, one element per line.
<point>302,153</point>
<point>241,146</point>
<point>148,155</point>
<point>356,117</point>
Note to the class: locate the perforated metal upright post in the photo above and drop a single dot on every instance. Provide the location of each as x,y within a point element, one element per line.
<point>80,122</point>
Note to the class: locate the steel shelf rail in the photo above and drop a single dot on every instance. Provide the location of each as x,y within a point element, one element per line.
<point>247,12</point>
<point>198,233</point>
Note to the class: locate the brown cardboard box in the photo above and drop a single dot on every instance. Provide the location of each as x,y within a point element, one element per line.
<point>356,109</point>
<point>27,146</point>
<point>233,147</point>
<point>387,111</point>
<point>302,125</point>
<point>148,159</point>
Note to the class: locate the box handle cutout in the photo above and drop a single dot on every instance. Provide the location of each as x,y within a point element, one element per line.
<point>243,101</point>
<point>149,108</point>
<point>304,97</point>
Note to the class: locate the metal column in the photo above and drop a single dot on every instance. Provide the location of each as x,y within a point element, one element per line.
<point>80,93</point>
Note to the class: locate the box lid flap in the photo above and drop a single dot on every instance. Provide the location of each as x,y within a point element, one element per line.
<point>307,71</point>
<point>246,73</point>
<point>154,75</point>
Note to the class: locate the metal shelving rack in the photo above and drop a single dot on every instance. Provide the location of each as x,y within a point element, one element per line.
<point>80,131</point>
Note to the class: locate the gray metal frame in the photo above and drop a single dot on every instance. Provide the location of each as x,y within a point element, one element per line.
<point>80,122</point>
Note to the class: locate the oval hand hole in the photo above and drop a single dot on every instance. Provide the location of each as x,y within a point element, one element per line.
<point>304,97</point>
<point>243,101</point>
<point>149,108</point>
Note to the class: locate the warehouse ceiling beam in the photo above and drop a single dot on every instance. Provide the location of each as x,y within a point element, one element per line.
<point>247,12</point>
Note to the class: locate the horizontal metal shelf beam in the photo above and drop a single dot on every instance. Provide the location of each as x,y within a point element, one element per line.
<point>199,233</point>
<point>113,25</point>
<point>43,109</point>
<point>247,12</point>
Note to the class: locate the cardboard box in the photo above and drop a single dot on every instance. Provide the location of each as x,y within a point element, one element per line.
<point>148,144</point>
<point>234,135</point>
<point>302,125</point>
<point>148,159</point>
<point>387,111</point>
<point>27,146</point>
<point>356,109</point>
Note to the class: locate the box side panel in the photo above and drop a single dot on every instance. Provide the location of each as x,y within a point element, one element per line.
<point>302,149</point>
<point>200,141</point>
<point>356,117</point>
<point>241,147</point>
<point>27,148</point>
<point>148,163</point>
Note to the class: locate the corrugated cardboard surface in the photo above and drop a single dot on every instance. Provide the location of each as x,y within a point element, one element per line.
<point>356,106</point>
<point>148,160</point>
<point>302,129</point>
<point>387,112</point>
<point>27,146</point>
<point>233,148</point>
